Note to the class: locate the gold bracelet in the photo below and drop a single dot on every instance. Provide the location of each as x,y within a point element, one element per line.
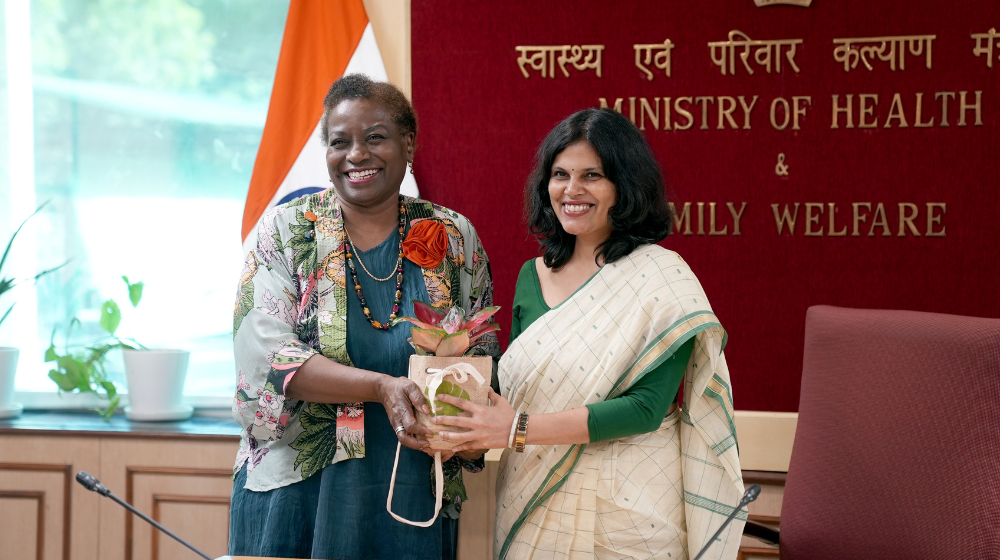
<point>522,432</point>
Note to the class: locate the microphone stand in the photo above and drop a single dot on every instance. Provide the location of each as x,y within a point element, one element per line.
<point>748,496</point>
<point>91,483</point>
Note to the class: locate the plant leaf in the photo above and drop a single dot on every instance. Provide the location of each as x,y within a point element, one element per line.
<point>480,317</point>
<point>50,354</point>
<point>483,329</point>
<point>453,345</point>
<point>18,230</point>
<point>9,309</point>
<point>427,338</point>
<point>64,383</point>
<point>111,316</point>
<point>416,322</point>
<point>134,291</point>
<point>426,313</point>
<point>109,388</point>
<point>452,322</point>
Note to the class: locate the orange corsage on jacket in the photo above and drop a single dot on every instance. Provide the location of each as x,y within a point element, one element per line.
<point>426,244</point>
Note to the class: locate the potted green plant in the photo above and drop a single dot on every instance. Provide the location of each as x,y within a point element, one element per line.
<point>9,355</point>
<point>154,378</point>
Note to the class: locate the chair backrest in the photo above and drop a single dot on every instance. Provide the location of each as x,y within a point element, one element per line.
<point>897,450</point>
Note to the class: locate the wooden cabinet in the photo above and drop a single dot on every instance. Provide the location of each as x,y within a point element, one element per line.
<point>181,478</point>
<point>180,475</point>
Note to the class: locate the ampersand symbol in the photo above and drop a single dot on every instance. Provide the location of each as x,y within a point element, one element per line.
<point>780,169</point>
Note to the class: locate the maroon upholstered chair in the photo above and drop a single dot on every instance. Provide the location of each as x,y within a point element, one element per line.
<point>897,450</point>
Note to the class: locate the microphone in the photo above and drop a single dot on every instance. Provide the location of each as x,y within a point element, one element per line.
<point>91,483</point>
<point>748,496</point>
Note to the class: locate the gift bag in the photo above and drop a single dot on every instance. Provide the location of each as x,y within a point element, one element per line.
<point>466,377</point>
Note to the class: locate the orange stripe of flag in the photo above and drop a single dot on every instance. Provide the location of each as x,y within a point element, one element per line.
<point>320,38</point>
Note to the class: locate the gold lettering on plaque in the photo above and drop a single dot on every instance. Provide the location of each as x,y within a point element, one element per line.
<point>661,60</point>
<point>762,3</point>
<point>880,220</point>
<point>858,216</point>
<point>723,53</point>
<point>704,101</point>
<point>831,230</point>
<point>920,107</point>
<point>799,111</point>
<point>683,112</point>
<point>645,109</point>
<point>746,110</point>
<point>727,113</point>
<point>988,50</point>
<point>837,110</point>
<point>896,112</point>
<point>866,110</point>
<point>932,219</point>
<point>785,112</point>
<point>963,107</point>
<point>944,95</point>
<point>711,222</point>
<point>848,53</point>
<point>544,58</point>
<point>906,218</point>
<point>780,169</point>
<point>631,109</point>
<point>617,107</point>
<point>701,218</point>
<point>813,219</point>
<point>737,216</point>
<point>785,218</point>
<point>682,220</point>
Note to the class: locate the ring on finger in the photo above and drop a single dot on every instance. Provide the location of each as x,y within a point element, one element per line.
<point>399,430</point>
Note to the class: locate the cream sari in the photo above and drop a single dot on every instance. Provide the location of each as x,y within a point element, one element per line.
<point>654,495</point>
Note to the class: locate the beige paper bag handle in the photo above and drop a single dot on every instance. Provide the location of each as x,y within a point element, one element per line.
<point>439,491</point>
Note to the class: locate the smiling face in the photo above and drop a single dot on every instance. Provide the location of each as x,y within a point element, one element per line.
<point>366,155</point>
<point>581,193</point>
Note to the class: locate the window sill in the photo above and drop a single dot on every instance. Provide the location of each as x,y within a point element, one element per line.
<point>204,406</point>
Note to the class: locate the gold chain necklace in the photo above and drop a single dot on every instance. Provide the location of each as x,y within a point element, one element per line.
<point>399,261</point>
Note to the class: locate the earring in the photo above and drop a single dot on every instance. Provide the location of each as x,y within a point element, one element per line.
<point>411,167</point>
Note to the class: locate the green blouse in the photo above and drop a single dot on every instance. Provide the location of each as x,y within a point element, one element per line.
<point>638,410</point>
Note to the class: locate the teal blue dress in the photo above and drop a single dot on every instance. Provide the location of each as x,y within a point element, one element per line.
<point>340,512</point>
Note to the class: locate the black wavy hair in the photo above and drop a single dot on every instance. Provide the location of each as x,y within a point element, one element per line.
<point>359,86</point>
<point>641,213</point>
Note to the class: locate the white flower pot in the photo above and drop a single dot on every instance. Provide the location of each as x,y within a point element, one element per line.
<point>155,380</point>
<point>8,369</point>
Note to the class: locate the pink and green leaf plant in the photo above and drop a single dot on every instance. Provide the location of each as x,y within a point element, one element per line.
<point>447,333</point>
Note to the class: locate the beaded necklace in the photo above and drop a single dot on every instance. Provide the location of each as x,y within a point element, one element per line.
<point>350,254</point>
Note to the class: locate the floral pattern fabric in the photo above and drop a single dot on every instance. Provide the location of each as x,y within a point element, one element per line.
<point>292,304</point>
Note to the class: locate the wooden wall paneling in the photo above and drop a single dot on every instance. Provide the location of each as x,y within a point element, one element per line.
<point>23,513</point>
<point>766,509</point>
<point>186,482</point>
<point>475,529</point>
<point>67,525</point>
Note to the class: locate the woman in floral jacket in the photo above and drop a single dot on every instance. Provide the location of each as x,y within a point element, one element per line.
<point>323,396</point>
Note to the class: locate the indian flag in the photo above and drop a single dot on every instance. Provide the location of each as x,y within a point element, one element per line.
<point>323,41</point>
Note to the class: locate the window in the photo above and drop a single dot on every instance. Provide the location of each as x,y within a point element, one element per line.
<point>138,121</point>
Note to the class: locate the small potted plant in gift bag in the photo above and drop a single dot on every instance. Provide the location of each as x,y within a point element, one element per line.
<point>443,364</point>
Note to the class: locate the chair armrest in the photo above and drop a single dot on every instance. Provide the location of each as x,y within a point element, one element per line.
<point>761,532</point>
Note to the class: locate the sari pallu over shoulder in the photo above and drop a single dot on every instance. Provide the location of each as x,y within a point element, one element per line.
<point>620,325</point>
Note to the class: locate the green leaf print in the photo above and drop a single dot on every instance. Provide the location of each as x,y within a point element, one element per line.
<point>243,306</point>
<point>303,244</point>
<point>317,444</point>
<point>448,388</point>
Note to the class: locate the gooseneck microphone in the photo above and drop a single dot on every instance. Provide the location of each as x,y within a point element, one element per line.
<point>91,483</point>
<point>748,496</point>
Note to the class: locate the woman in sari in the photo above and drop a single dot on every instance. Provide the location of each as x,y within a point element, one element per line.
<point>606,326</point>
<point>323,394</point>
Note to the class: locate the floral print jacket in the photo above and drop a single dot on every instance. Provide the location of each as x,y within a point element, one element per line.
<point>292,304</point>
